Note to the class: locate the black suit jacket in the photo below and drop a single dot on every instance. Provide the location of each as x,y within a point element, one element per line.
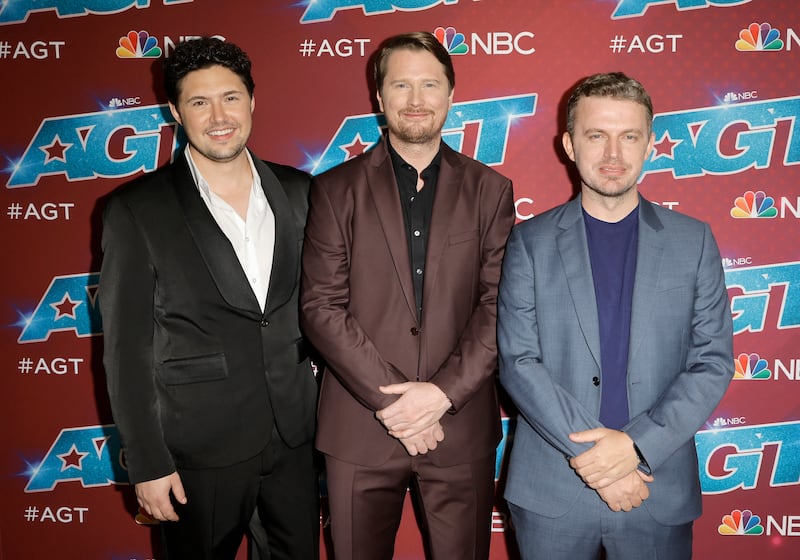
<point>197,374</point>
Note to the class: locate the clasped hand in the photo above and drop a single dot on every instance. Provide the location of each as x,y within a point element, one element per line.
<point>610,467</point>
<point>414,417</point>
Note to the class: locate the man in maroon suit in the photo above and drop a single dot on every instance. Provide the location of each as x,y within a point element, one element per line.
<point>400,270</point>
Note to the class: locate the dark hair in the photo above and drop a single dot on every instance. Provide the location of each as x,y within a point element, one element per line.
<point>204,52</point>
<point>415,41</point>
<point>613,84</point>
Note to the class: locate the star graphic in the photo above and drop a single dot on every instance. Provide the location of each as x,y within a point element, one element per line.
<point>356,147</point>
<point>72,459</point>
<point>665,147</point>
<point>55,151</point>
<point>65,308</point>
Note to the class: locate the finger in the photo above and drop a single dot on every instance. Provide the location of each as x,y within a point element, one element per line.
<point>178,491</point>
<point>393,389</point>
<point>586,435</point>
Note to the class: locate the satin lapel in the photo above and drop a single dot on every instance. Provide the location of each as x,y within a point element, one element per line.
<point>385,193</point>
<point>649,260</point>
<point>217,251</point>
<point>448,188</point>
<point>285,261</point>
<point>573,247</point>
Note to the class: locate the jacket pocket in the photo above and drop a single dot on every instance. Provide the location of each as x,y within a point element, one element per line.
<point>196,369</point>
<point>463,237</point>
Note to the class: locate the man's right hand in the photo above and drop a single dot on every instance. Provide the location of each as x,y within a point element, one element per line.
<point>628,492</point>
<point>153,496</point>
<point>424,441</point>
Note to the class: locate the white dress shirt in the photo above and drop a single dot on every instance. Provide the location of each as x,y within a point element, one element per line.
<point>253,239</point>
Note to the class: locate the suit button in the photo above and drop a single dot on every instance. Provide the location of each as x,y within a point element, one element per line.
<point>264,323</point>
<point>414,331</point>
<point>595,381</point>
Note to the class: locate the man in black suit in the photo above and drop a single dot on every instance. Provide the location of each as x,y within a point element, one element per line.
<point>210,385</point>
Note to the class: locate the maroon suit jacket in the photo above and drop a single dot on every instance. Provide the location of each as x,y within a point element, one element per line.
<point>358,307</point>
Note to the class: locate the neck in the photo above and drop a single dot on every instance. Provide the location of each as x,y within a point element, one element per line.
<point>419,156</point>
<point>225,177</point>
<point>608,208</point>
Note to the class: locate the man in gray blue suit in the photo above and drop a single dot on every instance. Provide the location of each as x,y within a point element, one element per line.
<point>615,343</point>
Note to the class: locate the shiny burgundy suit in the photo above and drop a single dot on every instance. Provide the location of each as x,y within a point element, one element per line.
<point>359,311</point>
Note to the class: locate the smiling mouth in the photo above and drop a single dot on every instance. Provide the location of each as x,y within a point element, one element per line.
<point>223,132</point>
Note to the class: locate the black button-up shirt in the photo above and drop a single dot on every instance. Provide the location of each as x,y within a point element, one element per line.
<point>417,209</point>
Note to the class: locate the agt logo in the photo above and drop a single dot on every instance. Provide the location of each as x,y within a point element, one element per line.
<point>17,11</point>
<point>724,140</point>
<point>69,304</point>
<point>734,457</point>
<point>637,8</point>
<point>756,204</point>
<point>324,10</point>
<point>497,42</point>
<point>746,523</point>
<point>751,290</point>
<point>494,117</point>
<point>90,455</point>
<point>78,146</point>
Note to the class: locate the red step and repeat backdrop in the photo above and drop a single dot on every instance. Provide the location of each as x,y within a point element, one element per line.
<point>83,111</point>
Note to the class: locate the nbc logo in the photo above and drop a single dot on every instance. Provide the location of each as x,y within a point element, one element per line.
<point>754,205</point>
<point>751,366</point>
<point>759,38</point>
<point>452,40</point>
<point>138,45</point>
<point>741,522</point>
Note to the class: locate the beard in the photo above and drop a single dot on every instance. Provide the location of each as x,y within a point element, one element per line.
<point>418,132</point>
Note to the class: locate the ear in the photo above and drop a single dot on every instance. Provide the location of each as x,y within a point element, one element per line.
<point>252,103</point>
<point>175,114</point>
<point>650,145</point>
<point>566,141</point>
<point>450,98</point>
<point>380,101</point>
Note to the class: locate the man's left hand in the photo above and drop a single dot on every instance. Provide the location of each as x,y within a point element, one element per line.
<point>420,406</point>
<point>611,457</point>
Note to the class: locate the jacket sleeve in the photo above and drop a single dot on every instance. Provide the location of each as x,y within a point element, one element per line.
<point>694,393</point>
<point>126,292</point>
<point>474,360</point>
<point>324,315</point>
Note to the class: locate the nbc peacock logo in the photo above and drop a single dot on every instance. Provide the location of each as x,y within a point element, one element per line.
<point>741,522</point>
<point>754,204</point>
<point>452,40</point>
<point>751,366</point>
<point>759,37</point>
<point>138,44</point>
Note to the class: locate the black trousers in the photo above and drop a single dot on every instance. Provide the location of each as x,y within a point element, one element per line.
<point>280,485</point>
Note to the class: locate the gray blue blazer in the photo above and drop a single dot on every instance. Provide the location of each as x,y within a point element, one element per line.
<point>679,365</point>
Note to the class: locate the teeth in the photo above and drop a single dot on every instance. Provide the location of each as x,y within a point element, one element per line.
<point>221,132</point>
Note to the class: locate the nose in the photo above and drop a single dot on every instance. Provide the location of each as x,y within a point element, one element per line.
<point>612,148</point>
<point>415,96</point>
<point>217,111</point>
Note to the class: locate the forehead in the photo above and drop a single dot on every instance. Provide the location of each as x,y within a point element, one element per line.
<point>610,112</point>
<point>210,80</point>
<point>402,62</point>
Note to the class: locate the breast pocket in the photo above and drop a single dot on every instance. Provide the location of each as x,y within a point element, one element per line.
<point>463,237</point>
